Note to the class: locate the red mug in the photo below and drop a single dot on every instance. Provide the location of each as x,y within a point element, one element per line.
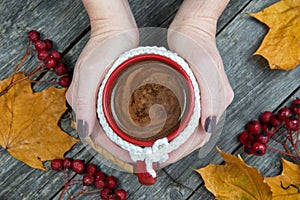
<point>146,98</point>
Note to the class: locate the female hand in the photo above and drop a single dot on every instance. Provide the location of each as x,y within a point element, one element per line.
<point>192,36</point>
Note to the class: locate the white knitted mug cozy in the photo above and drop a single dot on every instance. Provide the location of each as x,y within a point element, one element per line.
<point>159,151</point>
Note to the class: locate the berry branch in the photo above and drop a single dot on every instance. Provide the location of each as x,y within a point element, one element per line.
<point>282,127</point>
<point>50,61</point>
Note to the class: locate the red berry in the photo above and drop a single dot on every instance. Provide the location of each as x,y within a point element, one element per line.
<point>100,183</point>
<point>253,126</point>
<point>293,123</point>
<point>284,113</point>
<point>269,129</point>
<point>48,44</point>
<point>91,169</point>
<point>50,62</point>
<point>33,35</point>
<point>259,148</point>
<point>112,182</point>
<point>296,106</point>
<point>57,164</point>
<point>67,163</point>
<point>275,121</point>
<point>265,117</point>
<point>100,175</point>
<point>104,193</point>
<point>64,81</point>
<point>263,138</point>
<point>244,137</point>
<point>252,137</point>
<point>78,166</point>
<point>111,197</point>
<point>40,45</point>
<point>121,194</point>
<point>248,149</point>
<point>60,69</point>
<point>88,179</point>
<point>43,54</point>
<point>56,55</point>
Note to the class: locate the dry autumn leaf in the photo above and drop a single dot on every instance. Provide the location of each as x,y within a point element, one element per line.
<point>287,184</point>
<point>28,126</point>
<point>281,46</point>
<point>234,180</point>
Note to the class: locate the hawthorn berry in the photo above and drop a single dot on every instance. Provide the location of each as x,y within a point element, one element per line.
<point>112,182</point>
<point>100,175</point>
<point>33,36</point>
<point>67,163</point>
<point>43,54</point>
<point>91,169</point>
<point>248,148</point>
<point>284,113</point>
<point>100,183</point>
<point>56,55</point>
<point>50,62</point>
<point>40,45</point>
<point>57,164</point>
<point>78,166</point>
<point>269,129</point>
<point>244,137</point>
<point>296,106</point>
<point>121,194</point>
<point>265,117</point>
<point>64,81</point>
<point>48,44</point>
<point>293,123</point>
<point>104,193</point>
<point>263,138</point>
<point>259,149</point>
<point>88,179</point>
<point>60,69</point>
<point>253,126</point>
<point>275,120</point>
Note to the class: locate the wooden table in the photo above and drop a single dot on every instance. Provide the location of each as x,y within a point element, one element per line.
<point>256,88</point>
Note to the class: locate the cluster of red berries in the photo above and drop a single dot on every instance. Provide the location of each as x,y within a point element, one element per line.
<point>258,132</point>
<point>50,58</point>
<point>91,177</point>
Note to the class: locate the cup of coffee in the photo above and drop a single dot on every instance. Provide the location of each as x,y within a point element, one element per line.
<point>146,100</point>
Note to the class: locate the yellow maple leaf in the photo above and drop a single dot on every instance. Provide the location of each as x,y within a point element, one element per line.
<point>281,46</point>
<point>234,180</point>
<point>287,184</point>
<point>29,128</point>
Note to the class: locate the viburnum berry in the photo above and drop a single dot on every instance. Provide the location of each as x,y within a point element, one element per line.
<point>121,194</point>
<point>50,62</point>
<point>64,81</point>
<point>296,106</point>
<point>33,35</point>
<point>253,126</point>
<point>88,179</point>
<point>57,164</point>
<point>112,182</point>
<point>259,149</point>
<point>67,163</point>
<point>43,54</point>
<point>40,45</point>
<point>78,166</point>
<point>244,137</point>
<point>91,169</point>
<point>100,183</point>
<point>60,69</point>
<point>275,120</point>
<point>48,44</point>
<point>56,55</point>
<point>104,193</point>
<point>265,117</point>
<point>284,113</point>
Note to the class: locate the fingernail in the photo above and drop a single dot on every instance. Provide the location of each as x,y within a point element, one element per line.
<point>210,124</point>
<point>82,128</point>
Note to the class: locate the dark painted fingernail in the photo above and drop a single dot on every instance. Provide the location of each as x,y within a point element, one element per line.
<point>82,128</point>
<point>210,124</point>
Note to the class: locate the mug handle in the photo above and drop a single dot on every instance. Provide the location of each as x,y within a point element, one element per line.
<point>143,176</point>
